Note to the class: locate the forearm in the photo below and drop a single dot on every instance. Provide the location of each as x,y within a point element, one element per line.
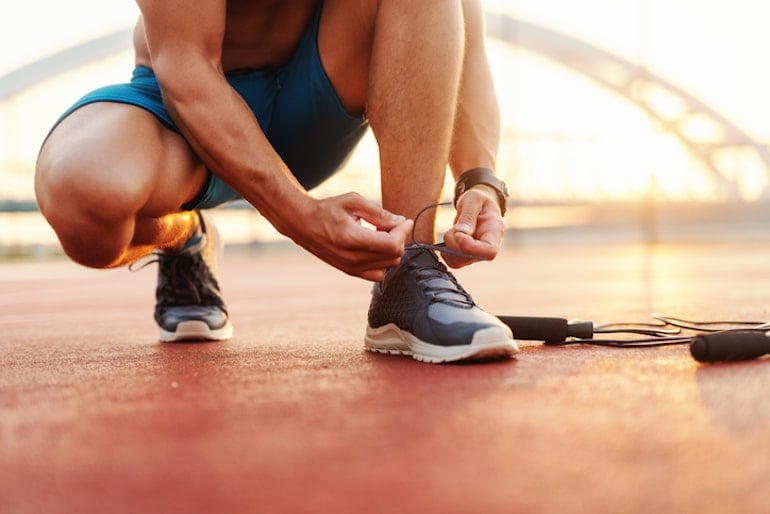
<point>184,46</point>
<point>183,41</point>
<point>476,134</point>
<point>224,133</point>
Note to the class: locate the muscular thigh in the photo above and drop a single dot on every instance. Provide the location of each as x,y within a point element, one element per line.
<point>345,37</point>
<point>120,156</point>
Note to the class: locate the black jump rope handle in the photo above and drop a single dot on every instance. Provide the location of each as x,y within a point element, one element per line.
<point>548,330</point>
<point>735,345</point>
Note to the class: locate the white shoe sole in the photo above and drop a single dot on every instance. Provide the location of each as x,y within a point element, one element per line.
<point>196,331</point>
<point>490,343</point>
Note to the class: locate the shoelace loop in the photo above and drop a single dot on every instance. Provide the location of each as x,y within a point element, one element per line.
<point>184,279</point>
<point>443,285</point>
<point>439,247</point>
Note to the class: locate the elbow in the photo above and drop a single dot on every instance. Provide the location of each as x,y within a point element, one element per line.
<point>171,76</point>
<point>182,79</point>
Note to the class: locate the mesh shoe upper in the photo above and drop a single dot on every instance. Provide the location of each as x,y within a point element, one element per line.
<point>187,288</point>
<point>422,297</point>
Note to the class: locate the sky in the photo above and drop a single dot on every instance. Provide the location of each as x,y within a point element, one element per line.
<point>36,28</point>
<point>714,50</point>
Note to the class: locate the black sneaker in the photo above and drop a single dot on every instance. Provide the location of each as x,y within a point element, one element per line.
<point>189,305</point>
<point>419,309</point>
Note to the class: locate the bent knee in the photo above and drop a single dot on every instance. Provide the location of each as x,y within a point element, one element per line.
<point>74,181</point>
<point>90,217</point>
<point>94,244</point>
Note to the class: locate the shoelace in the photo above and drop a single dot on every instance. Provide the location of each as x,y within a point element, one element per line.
<point>439,247</point>
<point>441,283</point>
<point>184,279</point>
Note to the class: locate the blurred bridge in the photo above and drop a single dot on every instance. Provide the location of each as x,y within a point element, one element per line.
<point>633,82</point>
<point>646,90</point>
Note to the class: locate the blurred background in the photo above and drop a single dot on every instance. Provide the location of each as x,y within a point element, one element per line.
<point>630,120</point>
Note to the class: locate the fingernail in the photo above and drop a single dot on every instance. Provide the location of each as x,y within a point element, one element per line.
<point>462,227</point>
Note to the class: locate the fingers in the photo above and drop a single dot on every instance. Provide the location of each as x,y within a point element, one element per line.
<point>365,265</point>
<point>401,233</point>
<point>339,238</point>
<point>478,229</point>
<point>480,249</point>
<point>468,210</point>
<point>380,218</point>
<point>356,249</point>
<point>391,234</point>
<point>380,242</point>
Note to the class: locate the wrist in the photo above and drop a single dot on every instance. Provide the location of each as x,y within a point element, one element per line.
<point>490,192</point>
<point>482,178</point>
<point>289,211</point>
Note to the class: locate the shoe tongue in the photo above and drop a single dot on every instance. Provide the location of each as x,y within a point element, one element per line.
<point>440,282</point>
<point>421,256</point>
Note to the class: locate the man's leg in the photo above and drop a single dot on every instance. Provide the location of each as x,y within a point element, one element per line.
<point>407,58</point>
<point>110,180</point>
<point>412,77</point>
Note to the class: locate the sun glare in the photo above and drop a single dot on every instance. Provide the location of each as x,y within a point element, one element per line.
<point>565,136</point>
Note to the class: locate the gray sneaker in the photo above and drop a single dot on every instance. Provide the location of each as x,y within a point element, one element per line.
<point>420,309</point>
<point>189,304</point>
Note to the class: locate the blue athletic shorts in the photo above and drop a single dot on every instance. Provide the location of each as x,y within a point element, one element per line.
<point>295,104</point>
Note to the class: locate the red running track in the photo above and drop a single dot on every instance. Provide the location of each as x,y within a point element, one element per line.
<point>293,416</point>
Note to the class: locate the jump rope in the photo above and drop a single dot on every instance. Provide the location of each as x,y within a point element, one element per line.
<point>709,341</point>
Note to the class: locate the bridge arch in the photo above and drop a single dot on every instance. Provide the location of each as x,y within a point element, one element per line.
<point>633,82</point>
<point>639,85</point>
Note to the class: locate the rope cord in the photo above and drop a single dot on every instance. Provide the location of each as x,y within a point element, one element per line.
<point>439,247</point>
<point>663,331</point>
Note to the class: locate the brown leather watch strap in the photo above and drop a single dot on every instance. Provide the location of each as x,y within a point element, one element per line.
<point>486,176</point>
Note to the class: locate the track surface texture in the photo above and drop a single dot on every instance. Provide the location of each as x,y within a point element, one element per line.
<point>293,415</point>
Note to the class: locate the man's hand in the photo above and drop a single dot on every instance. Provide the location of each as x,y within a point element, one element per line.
<point>332,231</point>
<point>478,228</point>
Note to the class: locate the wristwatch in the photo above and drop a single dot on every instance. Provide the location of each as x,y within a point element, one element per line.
<point>484,176</point>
